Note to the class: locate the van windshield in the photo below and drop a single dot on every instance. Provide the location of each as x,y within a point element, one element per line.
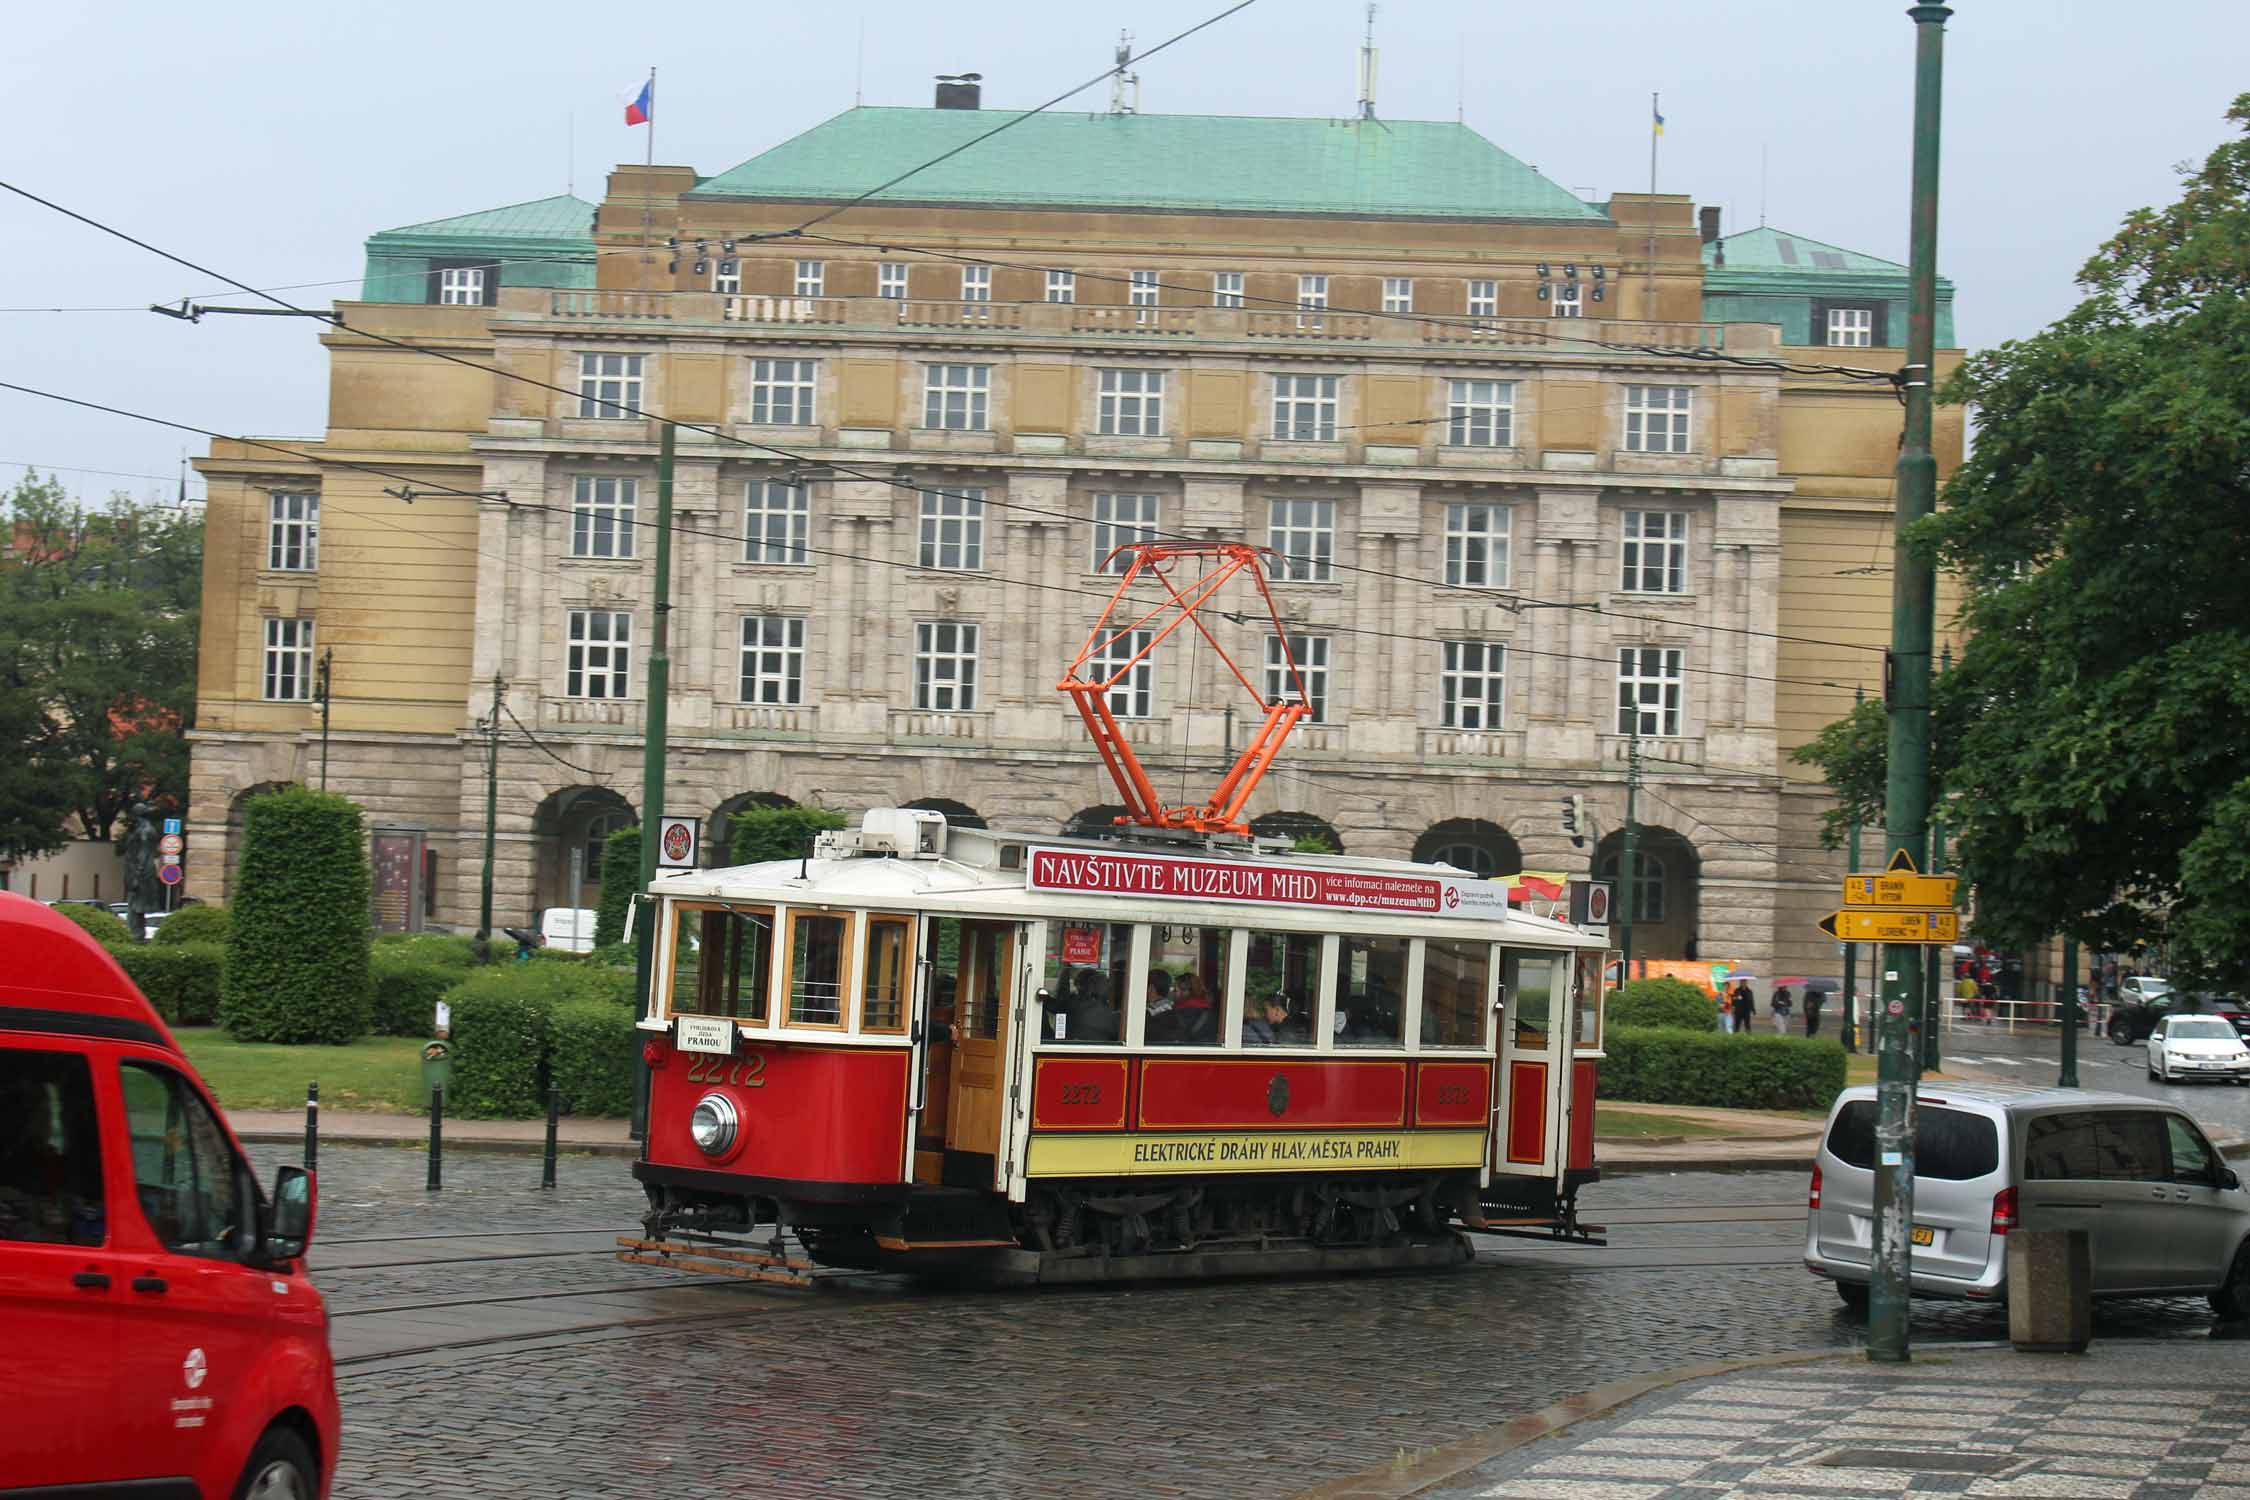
<point>1950,1145</point>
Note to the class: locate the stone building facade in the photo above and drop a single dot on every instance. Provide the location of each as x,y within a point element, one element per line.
<point>1524,499</point>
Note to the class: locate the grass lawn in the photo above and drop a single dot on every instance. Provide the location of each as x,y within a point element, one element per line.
<point>379,1073</point>
<point>1622,1125</point>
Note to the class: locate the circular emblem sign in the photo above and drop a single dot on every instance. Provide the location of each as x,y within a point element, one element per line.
<point>1896,1007</point>
<point>676,841</point>
<point>193,1369</point>
<point>1277,1096</point>
<point>1452,896</point>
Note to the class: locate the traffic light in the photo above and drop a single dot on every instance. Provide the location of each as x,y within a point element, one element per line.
<point>1574,819</point>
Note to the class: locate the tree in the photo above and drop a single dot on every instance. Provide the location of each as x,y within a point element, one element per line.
<point>621,877</point>
<point>98,618</point>
<point>2090,737</point>
<point>297,950</point>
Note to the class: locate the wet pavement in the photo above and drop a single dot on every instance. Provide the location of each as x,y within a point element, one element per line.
<point>490,1342</point>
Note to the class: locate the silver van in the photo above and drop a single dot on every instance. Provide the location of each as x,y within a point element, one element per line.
<point>2164,1214</point>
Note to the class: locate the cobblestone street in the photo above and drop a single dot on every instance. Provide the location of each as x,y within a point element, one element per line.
<point>488,1341</point>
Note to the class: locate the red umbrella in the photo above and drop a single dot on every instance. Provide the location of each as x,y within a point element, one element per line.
<point>1795,979</point>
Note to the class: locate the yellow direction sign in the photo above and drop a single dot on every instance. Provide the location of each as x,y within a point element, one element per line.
<point>1892,926</point>
<point>1898,890</point>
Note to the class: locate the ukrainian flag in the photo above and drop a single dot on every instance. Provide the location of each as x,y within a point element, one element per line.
<point>1659,119</point>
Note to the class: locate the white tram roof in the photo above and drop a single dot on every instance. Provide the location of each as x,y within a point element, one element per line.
<point>983,872</point>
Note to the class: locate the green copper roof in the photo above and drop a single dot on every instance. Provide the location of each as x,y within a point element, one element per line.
<point>1202,163</point>
<point>1764,249</point>
<point>559,217</point>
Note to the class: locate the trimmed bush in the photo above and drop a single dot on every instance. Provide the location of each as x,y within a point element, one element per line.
<point>505,1042</point>
<point>195,924</point>
<point>621,877</point>
<point>763,833</point>
<point>616,956</point>
<point>297,958</point>
<point>407,988</point>
<point>1662,1004</point>
<point>449,949</point>
<point>1721,1072</point>
<point>182,980</point>
<point>595,1053</point>
<point>105,927</point>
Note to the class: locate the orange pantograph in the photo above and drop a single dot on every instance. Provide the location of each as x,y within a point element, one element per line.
<point>1214,564</point>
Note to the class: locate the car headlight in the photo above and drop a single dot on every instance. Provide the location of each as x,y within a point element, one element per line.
<point>714,1124</point>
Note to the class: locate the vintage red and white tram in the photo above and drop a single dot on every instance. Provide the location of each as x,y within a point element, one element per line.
<point>927,1047</point>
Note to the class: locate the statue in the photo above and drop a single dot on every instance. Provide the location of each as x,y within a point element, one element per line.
<point>143,891</point>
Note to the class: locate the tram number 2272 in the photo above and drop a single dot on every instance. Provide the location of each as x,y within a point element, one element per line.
<point>748,1072</point>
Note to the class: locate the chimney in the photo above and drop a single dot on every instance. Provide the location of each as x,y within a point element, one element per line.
<point>1709,218</point>
<point>960,90</point>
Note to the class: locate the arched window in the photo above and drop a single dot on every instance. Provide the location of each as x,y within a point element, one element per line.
<point>1483,849</point>
<point>1475,858</point>
<point>1648,883</point>
<point>1093,822</point>
<point>957,814</point>
<point>1299,827</point>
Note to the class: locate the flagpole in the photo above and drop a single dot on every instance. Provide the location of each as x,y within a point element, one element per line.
<point>648,190</point>
<point>1655,134</point>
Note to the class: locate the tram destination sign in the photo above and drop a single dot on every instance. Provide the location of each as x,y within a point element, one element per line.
<point>1166,877</point>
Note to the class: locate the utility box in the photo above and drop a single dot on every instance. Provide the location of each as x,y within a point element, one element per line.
<point>2050,1291</point>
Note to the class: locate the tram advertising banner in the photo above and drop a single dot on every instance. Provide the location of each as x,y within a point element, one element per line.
<point>1170,878</point>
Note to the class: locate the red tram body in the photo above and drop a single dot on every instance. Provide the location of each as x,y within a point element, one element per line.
<point>953,1050</point>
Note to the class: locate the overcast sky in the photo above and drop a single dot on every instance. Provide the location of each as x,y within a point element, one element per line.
<point>268,140</point>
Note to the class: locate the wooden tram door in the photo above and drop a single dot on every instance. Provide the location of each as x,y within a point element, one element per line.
<point>983,989</point>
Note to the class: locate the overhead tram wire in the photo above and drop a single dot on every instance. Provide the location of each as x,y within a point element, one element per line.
<point>795,456</point>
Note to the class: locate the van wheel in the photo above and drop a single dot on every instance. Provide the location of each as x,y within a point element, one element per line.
<point>2232,1300</point>
<point>1854,1295</point>
<point>280,1468</point>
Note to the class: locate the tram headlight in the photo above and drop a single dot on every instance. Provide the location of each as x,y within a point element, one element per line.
<point>714,1124</point>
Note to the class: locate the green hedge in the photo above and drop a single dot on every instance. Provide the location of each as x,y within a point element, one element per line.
<point>182,980</point>
<point>508,1044</point>
<point>1662,1004</point>
<point>297,959</point>
<point>407,988</point>
<point>594,1054</point>
<point>1721,1072</point>
<point>196,924</point>
<point>105,926</point>
<point>764,833</point>
<point>445,948</point>
<point>621,877</point>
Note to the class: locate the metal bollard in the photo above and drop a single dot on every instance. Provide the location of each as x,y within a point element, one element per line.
<point>554,1113</point>
<point>437,1138</point>
<point>312,1126</point>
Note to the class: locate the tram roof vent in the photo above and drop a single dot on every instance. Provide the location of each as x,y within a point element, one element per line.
<point>907,832</point>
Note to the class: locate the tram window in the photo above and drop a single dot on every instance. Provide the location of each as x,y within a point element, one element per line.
<point>889,942</point>
<point>1371,999</point>
<point>817,968</point>
<point>1534,999</point>
<point>1087,963</point>
<point>1196,958</point>
<point>722,961</point>
<point>1456,991</point>
<point>982,991</point>
<point>1280,988</point>
<point>1590,999</point>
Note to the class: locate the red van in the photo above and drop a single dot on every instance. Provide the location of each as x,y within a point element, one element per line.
<point>158,1335</point>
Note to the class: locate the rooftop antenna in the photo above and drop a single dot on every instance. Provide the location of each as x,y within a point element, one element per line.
<point>1119,79</point>
<point>1761,187</point>
<point>1461,82</point>
<point>570,158</point>
<point>859,64</point>
<point>1367,67</point>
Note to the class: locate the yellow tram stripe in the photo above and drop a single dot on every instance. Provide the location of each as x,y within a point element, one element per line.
<point>1253,1151</point>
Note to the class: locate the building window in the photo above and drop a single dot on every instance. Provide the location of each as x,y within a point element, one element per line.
<point>1132,403</point>
<point>1648,690</point>
<point>953,530</point>
<point>1475,682</point>
<point>1654,552</point>
<point>957,397</point>
<point>775,520</point>
<point>1304,533</point>
<point>1480,413</point>
<point>1476,546</point>
<point>890,280</point>
<point>1567,301</point>
<point>945,666</point>
<point>1398,294</point>
<point>1484,299</point>
<point>461,285</point>
<point>1304,408</point>
<point>1656,418</point>
<point>601,516</point>
<point>812,278</point>
<point>773,659</point>
<point>1648,884</point>
<point>976,283</point>
<point>726,276</point>
<point>1851,327</point>
<point>1311,655</point>
<point>598,663</point>
<point>1226,289</point>
<point>1312,291</point>
<point>1062,286</point>
<point>1118,520</point>
<point>1141,289</point>
<point>293,532</point>
<point>781,391</point>
<point>609,385</point>
<point>289,661</point>
<point>1131,697</point>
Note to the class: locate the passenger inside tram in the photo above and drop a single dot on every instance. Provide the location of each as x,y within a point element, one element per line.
<point>1088,1014</point>
<point>1192,1021</point>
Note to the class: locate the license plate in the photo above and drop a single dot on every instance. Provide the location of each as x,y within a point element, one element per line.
<point>1924,1235</point>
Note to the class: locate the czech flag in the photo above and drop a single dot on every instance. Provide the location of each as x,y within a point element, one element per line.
<point>643,107</point>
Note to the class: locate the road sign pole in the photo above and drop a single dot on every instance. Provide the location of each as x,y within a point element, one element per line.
<point>2069,1078</point>
<point>1628,867</point>
<point>652,753</point>
<point>1851,965</point>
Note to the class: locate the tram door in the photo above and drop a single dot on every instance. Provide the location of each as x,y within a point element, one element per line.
<point>939,1001</point>
<point>1535,1031</point>
<point>983,971</point>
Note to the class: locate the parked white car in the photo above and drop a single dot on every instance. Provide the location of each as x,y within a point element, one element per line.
<point>570,929</point>
<point>2184,1047</point>
<point>2144,989</point>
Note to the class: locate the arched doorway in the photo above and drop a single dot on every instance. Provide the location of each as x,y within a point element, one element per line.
<point>1667,887</point>
<point>1483,849</point>
<point>570,830</point>
<point>1298,826</point>
<point>718,830</point>
<point>235,810</point>
<point>1093,822</point>
<point>957,814</point>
